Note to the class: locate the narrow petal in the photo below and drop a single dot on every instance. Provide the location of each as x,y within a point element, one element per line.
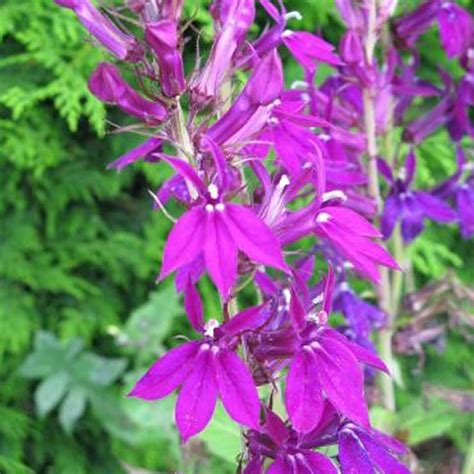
<point>250,318</point>
<point>465,204</point>
<point>382,458</point>
<point>275,428</point>
<point>198,396</point>
<point>220,253</point>
<point>237,389</point>
<point>137,153</point>
<point>319,463</point>
<point>279,466</point>
<point>342,380</point>
<point>167,373</point>
<point>303,396</point>
<point>435,208</point>
<point>193,306</point>
<point>185,170</point>
<point>185,241</point>
<point>391,213</point>
<point>253,236</point>
<point>352,455</point>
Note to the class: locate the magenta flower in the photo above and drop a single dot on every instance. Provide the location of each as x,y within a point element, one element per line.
<point>205,370</point>
<point>351,235</point>
<point>107,84</point>
<point>218,229</point>
<point>162,36</point>
<point>280,443</point>
<point>120,44</point>
<point>144,151</point>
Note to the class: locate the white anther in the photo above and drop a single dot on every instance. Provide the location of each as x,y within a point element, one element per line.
<point>324,136</point>
<point>273,120</point>
<point>210,327</point>
<point>215,349</point>
<point>284,182</point>
<point>220,207</point>
<point>323,217</point>
<point>470,53</point>
<point>305,97</point>
<point>205,347</point>
<point>294,15</point>
<point>209,208</point>
<point>336,194</point>
<point>307,348</point>
<point>213,191</point>
<point>276,102</point>
<point>286,33</point>
<point>311,316</point>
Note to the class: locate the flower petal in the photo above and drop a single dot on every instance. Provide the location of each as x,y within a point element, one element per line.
<point>193,306</point>
<point>198,396</point>
<point>253,236</point>
<point>319,463</point>
<point>352,455</point>
<point>303,396</point>
<point>220,253</point>
<point>237,389</point>
<point>342,380</point>
<point>167,373</point>
<point>185,241</point>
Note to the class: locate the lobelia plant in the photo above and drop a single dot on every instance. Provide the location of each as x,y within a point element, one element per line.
<point>272,178</point>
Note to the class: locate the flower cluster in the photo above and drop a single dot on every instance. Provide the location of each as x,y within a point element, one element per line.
<point>258,168</point>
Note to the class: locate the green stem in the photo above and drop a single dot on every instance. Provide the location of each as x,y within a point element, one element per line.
<point>468,467</point>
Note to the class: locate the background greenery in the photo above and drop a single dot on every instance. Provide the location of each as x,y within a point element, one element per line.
<point>80,315</point>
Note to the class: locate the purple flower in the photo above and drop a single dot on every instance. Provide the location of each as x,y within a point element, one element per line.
<point>285,448</point>
<point>235,18</point>
<point>364,451</point>
<point>455,28</point>
<point>250,111</point>
<point>350,234</point>
<point>205,370</point>
<point>120,44</point>
<point>162,36</point>
<point>409,207</point>
<point>218,229</point>
<point>107,84</point>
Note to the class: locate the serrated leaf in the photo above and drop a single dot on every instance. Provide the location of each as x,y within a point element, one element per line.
<point>49,392</point>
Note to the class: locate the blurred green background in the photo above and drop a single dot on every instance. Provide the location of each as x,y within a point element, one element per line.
<point>80,315</point>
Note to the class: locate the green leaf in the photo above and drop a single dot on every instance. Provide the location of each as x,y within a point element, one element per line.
<point>222,436</point>
<point>72,408</point>
<point>50,391</point>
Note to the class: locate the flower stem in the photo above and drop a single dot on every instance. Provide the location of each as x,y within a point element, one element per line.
<point>383,290</point>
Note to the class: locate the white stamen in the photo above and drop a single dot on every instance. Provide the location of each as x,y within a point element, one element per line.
<point>286,33</point>
<point>220,207</point>
<point>276,102</point>
<point>284,182</point>
<point>299,85</point>
<point>305,97</point>
<point>307,348</point>
<point>294,15</point>
<point>325,137</point>
<point>209,208</point>
<point>205,347</point>
<point>317,299</point>
<point>336,194</point>
<point>470,53</point>
<point>210,327</point>
<point>344,286</point>
<point>215,349</point>
<point>287,295</point>
<point>323,217</point>
<point>213,191</point>
<point>273,120</point>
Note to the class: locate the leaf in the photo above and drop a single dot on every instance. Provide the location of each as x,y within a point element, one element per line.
<point>72,408</point>
<point>222,436</point>
<point>50,391</point>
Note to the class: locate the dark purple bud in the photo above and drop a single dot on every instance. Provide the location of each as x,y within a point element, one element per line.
<point>107,84</point>
<point>162,36</point>
<point>118,43</point>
